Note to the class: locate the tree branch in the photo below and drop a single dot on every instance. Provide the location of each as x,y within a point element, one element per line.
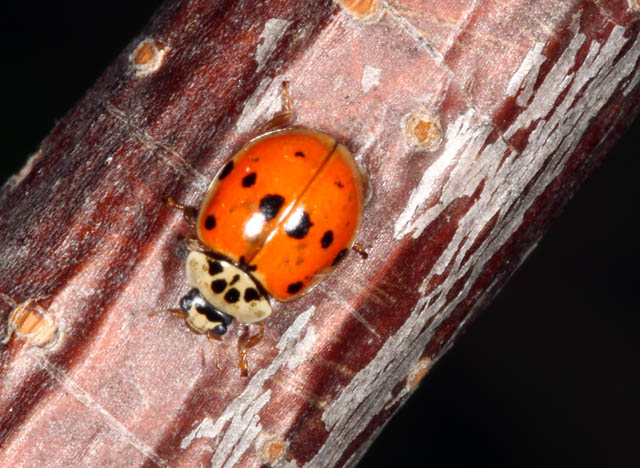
<point>475,126</point>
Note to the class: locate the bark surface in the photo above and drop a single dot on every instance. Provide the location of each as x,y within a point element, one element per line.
<point>474,123</point>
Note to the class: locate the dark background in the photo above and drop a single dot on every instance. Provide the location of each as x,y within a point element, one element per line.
<point>547,376</point>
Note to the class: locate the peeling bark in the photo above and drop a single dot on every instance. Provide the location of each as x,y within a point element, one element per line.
<point>468,160</point>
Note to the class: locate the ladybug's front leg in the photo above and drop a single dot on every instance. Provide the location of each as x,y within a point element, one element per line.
<point>193,243</point>
<point>175,312</point>
<point>189,213</point>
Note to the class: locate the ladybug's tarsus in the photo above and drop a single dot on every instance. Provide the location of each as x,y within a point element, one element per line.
<point>189,213</point>
<point>246,342</point>
<point>360,250</point>
<point>193,243</point>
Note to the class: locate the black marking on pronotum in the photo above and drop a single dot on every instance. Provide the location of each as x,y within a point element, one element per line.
<point>226,170</point>
<point>270,205</point>
<point>218,286</point>
<point>215,268</point>
<point>294,287</point>
<point>249,180</point>
<point>193,297</point>
<point>299,154</point>
<point>210,223</point>
<point>301,228</point>
<point>234,280</point>
<point>327,239</point>
<point>232,296</point>
<point>251,294</point>
<point>339,257</point>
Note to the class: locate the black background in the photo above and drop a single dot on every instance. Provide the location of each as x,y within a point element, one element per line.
<point>547,376</point>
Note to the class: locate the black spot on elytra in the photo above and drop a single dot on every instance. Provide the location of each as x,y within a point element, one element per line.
<point>232,296</point>
<point>339,257</point>
<point>226,170</point>
<point>270,205</point>
<point>294,287</point>
<point>215,268</point>
<point>249,180</point>
<point>251,294</point>
<point>218,286</point>
<point>234,280</point>
<point>210,223</point>
<point>327,239</point>
<point>339,184</point>
<point>300,230</point>
<point>299,154</point>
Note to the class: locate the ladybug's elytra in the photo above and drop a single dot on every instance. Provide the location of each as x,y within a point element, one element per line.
<point>277,218</point>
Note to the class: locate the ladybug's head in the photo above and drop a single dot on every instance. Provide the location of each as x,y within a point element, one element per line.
<point>202,316</point>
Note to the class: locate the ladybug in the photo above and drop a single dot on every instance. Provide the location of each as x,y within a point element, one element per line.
<point>278,217</point>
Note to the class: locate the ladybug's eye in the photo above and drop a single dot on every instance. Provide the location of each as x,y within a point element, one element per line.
<point>220,330</point>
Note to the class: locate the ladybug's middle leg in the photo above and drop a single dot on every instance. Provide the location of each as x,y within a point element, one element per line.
<point>193,243</point>
<point>189,213</point>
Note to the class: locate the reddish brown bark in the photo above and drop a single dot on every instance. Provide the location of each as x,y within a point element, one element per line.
<point>525,96</point>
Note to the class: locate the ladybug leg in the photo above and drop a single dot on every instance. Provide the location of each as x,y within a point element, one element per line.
<point>193,243</point>
<point>245,342</point>
<point>189,213</point>
<point>360,249</point>
<point>283,117</point>
<point>179,313</point>
<point>213,337</point>
<point>175,312</point>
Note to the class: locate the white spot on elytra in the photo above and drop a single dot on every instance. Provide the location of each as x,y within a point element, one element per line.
<point>273,30</point>
<point>370,78</point>
<point>295,221</point>
<point>253,227</point>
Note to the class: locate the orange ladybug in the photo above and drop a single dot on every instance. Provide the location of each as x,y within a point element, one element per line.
<point>277,218</point>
